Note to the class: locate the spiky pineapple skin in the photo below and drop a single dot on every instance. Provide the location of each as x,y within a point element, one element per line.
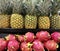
<point>4,21</point>
<point>55,22</point>
<point>30,22</point>
<point>44,22</point>
<point>16,21</point>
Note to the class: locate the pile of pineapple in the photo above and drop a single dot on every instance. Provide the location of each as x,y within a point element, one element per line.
<point>29,14</point>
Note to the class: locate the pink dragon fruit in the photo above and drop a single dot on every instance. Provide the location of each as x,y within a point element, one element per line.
<point>3,44</point>
<point>56,37</point>
<point>20,38</point>
<point>51,45</point>
<point>26,46</point>
<point>29,37</point>
<point>10,37</point>
<point>38,46</point>
<point>13,45</point>
<point>43,36</point>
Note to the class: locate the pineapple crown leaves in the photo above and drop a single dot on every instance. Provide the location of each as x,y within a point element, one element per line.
<point>26,7</point>
<point>5,7</point>
<point>44,7</point>
<point>8,7</point>
<point>55,6</point>
<point>2,6</point>
<point>17,6</point>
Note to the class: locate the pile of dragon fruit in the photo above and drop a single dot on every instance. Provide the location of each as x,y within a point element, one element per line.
<point>31,42</point>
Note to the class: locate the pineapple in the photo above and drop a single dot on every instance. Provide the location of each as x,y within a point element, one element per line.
<point>44,22</point>
<point>16,21</point>
<point>43,12</point>
<point>55,22</point>
<point>30,18</point>
<point>4,21</point>
<point>30,22</point>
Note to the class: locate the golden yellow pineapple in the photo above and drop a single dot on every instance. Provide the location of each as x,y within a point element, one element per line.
<point>55,21</point>
<point>44,22</point>
<point>4,21</point>
<point>16,21</point>
<point>30,22</point>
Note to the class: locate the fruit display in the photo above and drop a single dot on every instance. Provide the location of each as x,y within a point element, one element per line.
<point>16,21</point>
<point>32,25</point>
<point>42,41</point>
<point>30,14</point>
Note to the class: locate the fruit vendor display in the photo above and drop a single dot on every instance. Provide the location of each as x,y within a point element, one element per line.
<point>30,14</point>
<point>29,42</point>
<point>17,21</point>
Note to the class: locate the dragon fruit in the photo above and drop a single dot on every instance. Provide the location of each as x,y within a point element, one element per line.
<point>10,37</point>
<point>52,50</point>
<point>29,37</point>
<point>3,44</point>
<point>43,36</point>
<point>56,36</point>
<point>26,46</point>
<point>20,38</point>
<point>38,46</point>
<point>13,45</point>
<point>51,45</point>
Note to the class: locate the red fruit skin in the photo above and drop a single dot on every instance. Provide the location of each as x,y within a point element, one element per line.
<point>43,36</point>
<point>20,38</point>
<point>3,44</point>
<point>29,37</point>
<point>51,45</point>
<point>38,46</point>
<point>10,37</point>
<point>25,47</point>
<point>52,50</point>
<point>56,37</point>
<point>13,45</point>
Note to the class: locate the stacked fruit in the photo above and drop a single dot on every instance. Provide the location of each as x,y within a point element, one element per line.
<point>29,42</point>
